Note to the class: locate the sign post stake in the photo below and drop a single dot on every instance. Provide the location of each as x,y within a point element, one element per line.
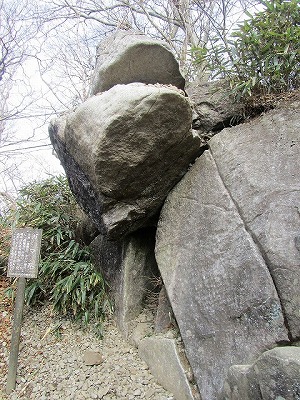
<point>15,337</point>
<point>22,263</point>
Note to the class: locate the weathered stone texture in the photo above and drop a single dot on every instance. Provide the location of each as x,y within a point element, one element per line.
<point>241,384</point>
<point>214,107</point>
<point>92,358</point>
<point>259,163</point>
<point>219,286</point>
<point>124,150</point>
<point>86,230</point>
<point>278,373</point>
<point>164,318</point>
<point>128,267</point>
<point>129,56</point>
<point>275,375</point>
<point>168,365</point>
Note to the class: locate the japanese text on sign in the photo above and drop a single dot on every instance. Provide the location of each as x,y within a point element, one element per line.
<point>24,253</point>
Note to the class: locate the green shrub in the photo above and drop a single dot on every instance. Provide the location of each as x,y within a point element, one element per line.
<point>66,275</point>
<point>262,55</point>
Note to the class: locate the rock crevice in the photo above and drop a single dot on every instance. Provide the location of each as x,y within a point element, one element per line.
<point>257,244</point>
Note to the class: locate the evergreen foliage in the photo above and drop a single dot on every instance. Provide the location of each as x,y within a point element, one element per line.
<point>262,55</point>
<point>66,276</point>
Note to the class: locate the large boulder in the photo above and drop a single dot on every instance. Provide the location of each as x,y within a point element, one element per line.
<point>129,56</point>
<point>259,164</point>
<point>124,150</point>
<point>218,283</point>
<point>228,246</point>
<point>275,375</point>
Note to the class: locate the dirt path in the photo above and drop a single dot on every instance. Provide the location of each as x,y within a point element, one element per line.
<point>51,361</point>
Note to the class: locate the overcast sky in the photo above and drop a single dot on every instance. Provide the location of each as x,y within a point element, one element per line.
<point>27,154</point>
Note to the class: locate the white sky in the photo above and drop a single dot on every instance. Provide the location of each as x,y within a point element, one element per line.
<point>32,150</point>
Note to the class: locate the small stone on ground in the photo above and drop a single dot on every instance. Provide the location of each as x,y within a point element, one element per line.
<point>51,364</point>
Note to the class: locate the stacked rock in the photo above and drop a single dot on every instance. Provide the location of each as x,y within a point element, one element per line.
<point>127,145</point>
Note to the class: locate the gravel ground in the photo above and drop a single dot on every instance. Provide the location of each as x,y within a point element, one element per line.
<point>51,364</point>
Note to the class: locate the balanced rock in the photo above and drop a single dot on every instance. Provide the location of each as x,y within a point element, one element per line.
<point>130,56</point>
<point>124,150</point>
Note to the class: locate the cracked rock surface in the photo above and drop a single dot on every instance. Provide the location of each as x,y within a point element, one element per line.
<point>227,247</point>
<point>259,163</point>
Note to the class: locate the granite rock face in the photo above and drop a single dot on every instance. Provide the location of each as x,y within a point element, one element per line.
<point>218,283</point>
<point>278,372</point>
<point>129,56</point>
<point>259,164</point>
<point>241,383</point>
<point>86,230</point>
<point>124,150</point>
<point>164,318</point>
<point>228,247</point>
<point>275,375</point>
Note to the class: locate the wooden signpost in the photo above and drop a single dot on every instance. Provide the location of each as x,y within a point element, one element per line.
<point>22,263</point>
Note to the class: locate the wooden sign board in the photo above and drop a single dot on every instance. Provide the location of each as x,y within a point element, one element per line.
<point>24,253</point>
